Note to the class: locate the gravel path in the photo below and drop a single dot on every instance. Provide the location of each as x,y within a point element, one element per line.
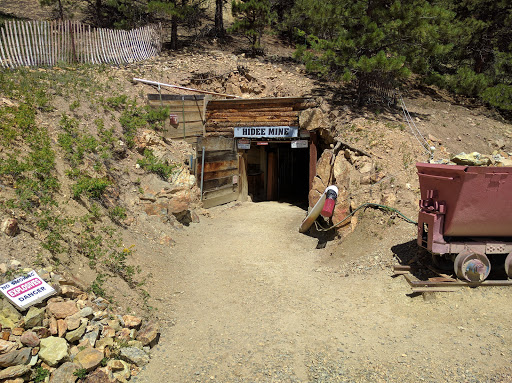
<point>246,298</point>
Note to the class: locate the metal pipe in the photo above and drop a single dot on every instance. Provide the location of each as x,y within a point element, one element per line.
<point>202,174</point>
<point>183,88</point>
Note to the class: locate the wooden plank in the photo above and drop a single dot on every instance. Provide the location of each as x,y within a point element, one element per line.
<point>234,115</point>
<point>115,49</point>
<point>218,155</point>
<point>220,200</point>
<point>217,166</point>
<point>219,134</point>
<point>216,143</point>
<point>220,174</point>
<point>254,110</point>
<point>255,118</point>
<point>312,158</point>
<point>10,36</point>
<point>217,183</point>
<point>259,102</point>
<point>140,49</point>
<point>173,97</point>
<point>35,45</point>
<point>214,125</point>
<point>6,55</point>
<point>26,42</point>
<point>243,183</point>
<point>227,189</point>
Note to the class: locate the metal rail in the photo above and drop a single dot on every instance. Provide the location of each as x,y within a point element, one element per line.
<point>442,284</point>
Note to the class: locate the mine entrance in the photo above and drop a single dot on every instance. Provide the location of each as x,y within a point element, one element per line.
<point>276,171</point>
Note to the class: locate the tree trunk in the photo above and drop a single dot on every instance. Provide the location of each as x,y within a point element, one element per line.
<point>219,19</point>
<point>174,32</point>
<point>61,10</point>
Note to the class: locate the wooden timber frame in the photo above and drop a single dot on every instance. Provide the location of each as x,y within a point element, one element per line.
<point>225,165</point>
<point>210,123</point>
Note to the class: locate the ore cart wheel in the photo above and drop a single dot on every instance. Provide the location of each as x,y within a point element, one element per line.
<point>508,265</point>
<point>442,262</point>
<point>472,267</point>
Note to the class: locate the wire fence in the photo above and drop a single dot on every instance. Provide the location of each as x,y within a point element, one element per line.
<point>48,43</point>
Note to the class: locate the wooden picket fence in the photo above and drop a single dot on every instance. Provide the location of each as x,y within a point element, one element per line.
<point>48,43</point>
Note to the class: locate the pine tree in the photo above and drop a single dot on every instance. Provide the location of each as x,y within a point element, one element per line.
<point>251,18</point>
<point>366,40</point>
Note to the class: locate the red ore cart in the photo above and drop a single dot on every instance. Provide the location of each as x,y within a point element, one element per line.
<point>466,217</point>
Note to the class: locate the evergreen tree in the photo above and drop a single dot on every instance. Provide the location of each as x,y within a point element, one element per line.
<point>482,53</point>
<point>365,40</point>
<point>180,12</point>
<point>251,18</point>
<point>122,14</point>
<point>61,9</point>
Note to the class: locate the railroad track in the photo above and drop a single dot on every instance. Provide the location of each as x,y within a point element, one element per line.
<point>442,283</point>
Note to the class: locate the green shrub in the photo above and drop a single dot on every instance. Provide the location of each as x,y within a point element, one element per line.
<point>89,186</point>
<point>115,102</point>
<point>154,165</point>
<point>40,374</point>
<point>117,213</point>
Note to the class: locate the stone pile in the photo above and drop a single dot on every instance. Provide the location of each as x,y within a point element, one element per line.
<point>73,334</point>
<point>497,158</point>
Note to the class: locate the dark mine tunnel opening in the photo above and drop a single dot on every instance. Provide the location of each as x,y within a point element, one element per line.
<point>278,172</point>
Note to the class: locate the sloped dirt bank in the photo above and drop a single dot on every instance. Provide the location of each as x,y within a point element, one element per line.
<point>251,300</point>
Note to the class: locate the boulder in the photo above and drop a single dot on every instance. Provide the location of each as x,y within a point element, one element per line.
<point>10,227</point>
<point>75,335</point>
<point>9,316</point>
<point>312,119</point>
<point>16,357</point>
<point>149,334</point>
<point>134,355</point>
<point>124,372</point>
<point>89,358</point>
<point>52,326</point>
<point>90,337</point>
<point>6,346</point>
<point>131,321</point>
<point>102,343</point>
<point>70,291</point>
<point>62,327</point>
<point>86,312</point>
<point>14,371</point>
<point>30,339</point>
<point>324,168</point>
<point>61,310</point>
<point>101,375</point>
<point>65,373</point>
<point>73,321</point>
<point>53,350</point>
<point>34,317</point>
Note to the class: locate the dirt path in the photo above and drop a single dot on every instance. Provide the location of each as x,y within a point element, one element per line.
<point>248,299</point>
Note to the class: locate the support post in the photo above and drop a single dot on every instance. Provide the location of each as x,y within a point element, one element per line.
<point>313,153</point>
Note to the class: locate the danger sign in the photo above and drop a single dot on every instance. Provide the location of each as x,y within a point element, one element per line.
<point>26,290</point>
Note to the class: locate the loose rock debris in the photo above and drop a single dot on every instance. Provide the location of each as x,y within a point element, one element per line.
<point>74,334</point>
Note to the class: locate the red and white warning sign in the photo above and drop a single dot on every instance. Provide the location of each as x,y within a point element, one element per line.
<point>26,290</point>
